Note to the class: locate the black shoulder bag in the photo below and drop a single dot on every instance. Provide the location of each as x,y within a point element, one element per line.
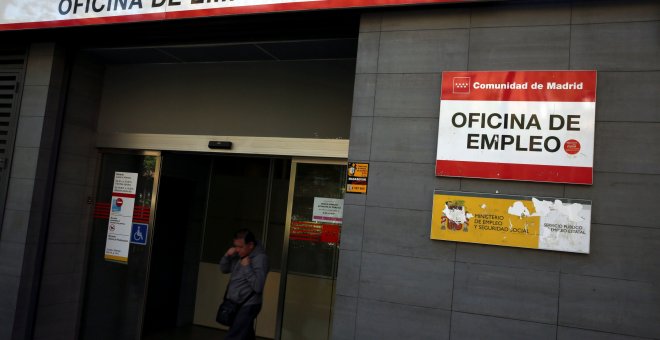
<point>228,309</point>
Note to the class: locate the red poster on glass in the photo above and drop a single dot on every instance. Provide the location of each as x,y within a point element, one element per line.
<point>330,233</point>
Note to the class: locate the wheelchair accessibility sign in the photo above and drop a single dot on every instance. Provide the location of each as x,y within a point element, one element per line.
<point>139,233</point>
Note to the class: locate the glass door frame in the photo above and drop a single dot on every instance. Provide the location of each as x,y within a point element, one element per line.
<point>152,216</point>
<point>150,231</point>
<point>287,231</point>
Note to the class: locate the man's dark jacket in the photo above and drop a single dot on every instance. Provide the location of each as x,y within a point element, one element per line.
<point>246,279</point>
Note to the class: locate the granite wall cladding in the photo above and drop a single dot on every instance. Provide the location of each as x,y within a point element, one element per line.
<point>394,282</point>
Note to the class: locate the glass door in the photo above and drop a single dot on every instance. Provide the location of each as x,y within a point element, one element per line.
<point>243,192</point>
<point>120,246</point>
<point>311,248</point>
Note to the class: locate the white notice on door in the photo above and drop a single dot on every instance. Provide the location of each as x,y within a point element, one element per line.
<point>328,210</point>
<point>121,216</point>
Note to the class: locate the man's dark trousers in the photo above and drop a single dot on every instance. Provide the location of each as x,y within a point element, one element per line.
<point>243,327</point>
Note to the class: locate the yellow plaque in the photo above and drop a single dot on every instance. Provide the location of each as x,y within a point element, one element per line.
<point>514,221</point>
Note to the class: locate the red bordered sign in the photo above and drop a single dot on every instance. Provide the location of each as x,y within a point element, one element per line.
<point>518,125</point>
<point>26,14</point>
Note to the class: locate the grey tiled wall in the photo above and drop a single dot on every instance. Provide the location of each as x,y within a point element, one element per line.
<point>396,283</point>
<point>43,135</point>
<point>28,185</point>
<point>63,272</point>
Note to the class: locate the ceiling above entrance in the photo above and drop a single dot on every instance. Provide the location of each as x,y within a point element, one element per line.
<point>317,49</point>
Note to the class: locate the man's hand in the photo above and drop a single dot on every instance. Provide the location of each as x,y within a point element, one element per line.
<point>231,251</point>
<point>245,261</point>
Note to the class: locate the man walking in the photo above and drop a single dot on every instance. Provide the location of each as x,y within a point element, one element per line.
<point>248,264</point>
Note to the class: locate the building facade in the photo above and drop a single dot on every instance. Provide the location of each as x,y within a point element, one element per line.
<point>298,95</point>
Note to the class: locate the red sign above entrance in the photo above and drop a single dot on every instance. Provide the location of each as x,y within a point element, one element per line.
<point>29,14</point>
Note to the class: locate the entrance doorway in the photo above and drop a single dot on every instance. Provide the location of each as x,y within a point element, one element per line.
<point>292,205</point>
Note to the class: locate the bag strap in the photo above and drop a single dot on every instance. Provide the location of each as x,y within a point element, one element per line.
<point>226,290</point>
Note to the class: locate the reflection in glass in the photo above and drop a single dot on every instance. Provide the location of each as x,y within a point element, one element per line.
<point>114,293</point>
<point>312,255</point>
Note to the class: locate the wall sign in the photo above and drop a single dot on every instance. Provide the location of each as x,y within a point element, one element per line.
<point>514,221</point>
<point>121,216</point>
<point>358,178</point>
<point>518,125</point>
<point>23,14</point>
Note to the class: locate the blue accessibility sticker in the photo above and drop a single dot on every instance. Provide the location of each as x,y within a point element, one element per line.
<point>139,233</point>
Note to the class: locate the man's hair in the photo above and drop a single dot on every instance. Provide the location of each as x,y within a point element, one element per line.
<point>245,235</point>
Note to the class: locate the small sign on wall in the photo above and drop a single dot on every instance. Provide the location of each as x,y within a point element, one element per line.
<point>514,221</point>
<point>358,178</point>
